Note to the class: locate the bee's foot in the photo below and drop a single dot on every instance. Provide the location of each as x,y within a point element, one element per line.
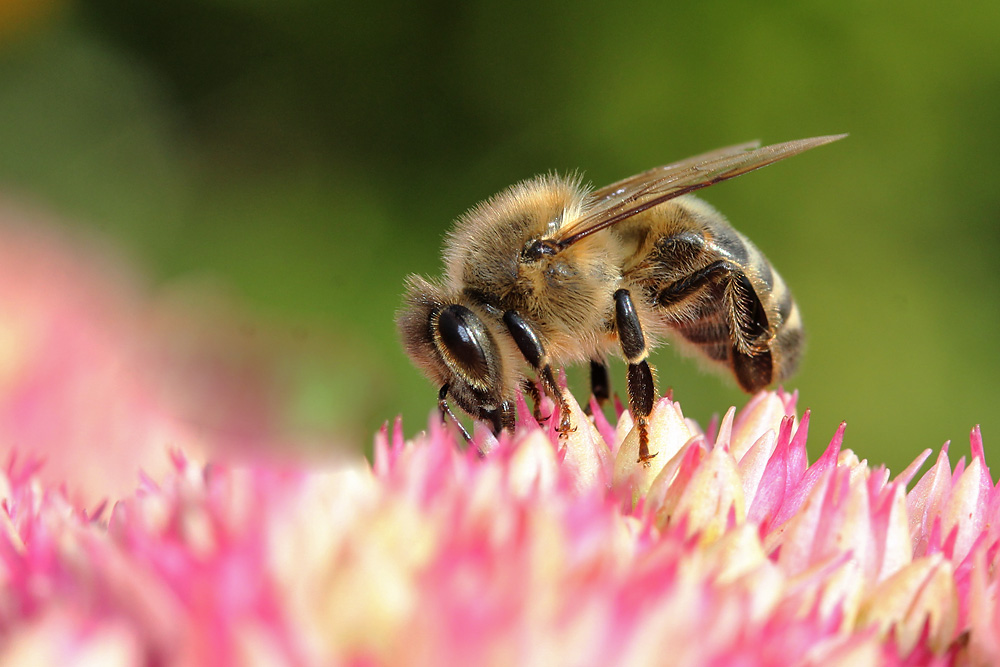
<point>645,459</point>
<point>565,428</point>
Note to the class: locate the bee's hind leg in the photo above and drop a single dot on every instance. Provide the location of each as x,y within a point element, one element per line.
<point>745,316</point>
<point>534,352</point>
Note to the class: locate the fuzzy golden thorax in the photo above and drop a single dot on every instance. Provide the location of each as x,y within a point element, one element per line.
<point>566,295</point>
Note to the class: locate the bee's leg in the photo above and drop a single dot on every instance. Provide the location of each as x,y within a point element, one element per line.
<point>531,389</point>
<point>641,390</point>
<point>507,415</point>
<point>600,384</point>
<point>745,316</point>
<point>446,413</point>
<point>501,418</point>
<point>534,352</point>
<point>695,282</point>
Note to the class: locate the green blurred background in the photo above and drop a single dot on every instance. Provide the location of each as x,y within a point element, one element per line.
<point>308,155</point>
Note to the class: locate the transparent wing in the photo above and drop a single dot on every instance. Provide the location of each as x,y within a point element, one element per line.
<point>620,201</point>
<point>658,172</point>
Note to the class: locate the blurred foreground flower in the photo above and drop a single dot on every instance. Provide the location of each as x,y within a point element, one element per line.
<point>98,380</point>
<point>731,548</point>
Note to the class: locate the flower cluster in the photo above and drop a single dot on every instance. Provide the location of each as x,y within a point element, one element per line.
<point>729,547</point>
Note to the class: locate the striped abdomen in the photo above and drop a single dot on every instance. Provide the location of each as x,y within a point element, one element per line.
<point>716,290</point>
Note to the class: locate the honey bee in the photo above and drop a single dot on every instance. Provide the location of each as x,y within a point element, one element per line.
<point>549,272</point>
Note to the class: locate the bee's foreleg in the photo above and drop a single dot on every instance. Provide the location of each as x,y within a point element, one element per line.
<point>641,390</point>
<point>446,413</point>
<point>499,418</point>
<point>534,352</point>
<point>531,389</point>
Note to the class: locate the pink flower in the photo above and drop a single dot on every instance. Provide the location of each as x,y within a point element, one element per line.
<point>729,548</point>
<point>99,382</point>
<point>529,556</point>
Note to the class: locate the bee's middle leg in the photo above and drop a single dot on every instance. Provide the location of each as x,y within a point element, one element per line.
<point>641,389</point>
<point>534,352</point>
<point>600,383</point>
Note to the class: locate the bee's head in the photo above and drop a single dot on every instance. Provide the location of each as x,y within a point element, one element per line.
<point>453,346</point>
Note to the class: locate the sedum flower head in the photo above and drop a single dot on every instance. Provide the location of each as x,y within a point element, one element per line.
<point>730,548</point>
<point>543,551</point>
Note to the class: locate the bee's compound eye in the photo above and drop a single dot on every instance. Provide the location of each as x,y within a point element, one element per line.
<point>464,340</point>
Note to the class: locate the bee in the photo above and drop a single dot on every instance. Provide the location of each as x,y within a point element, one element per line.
<point>549,273</point>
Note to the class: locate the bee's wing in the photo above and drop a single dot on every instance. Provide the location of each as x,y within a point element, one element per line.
<point>620,201</point>
<point>658,172</point>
